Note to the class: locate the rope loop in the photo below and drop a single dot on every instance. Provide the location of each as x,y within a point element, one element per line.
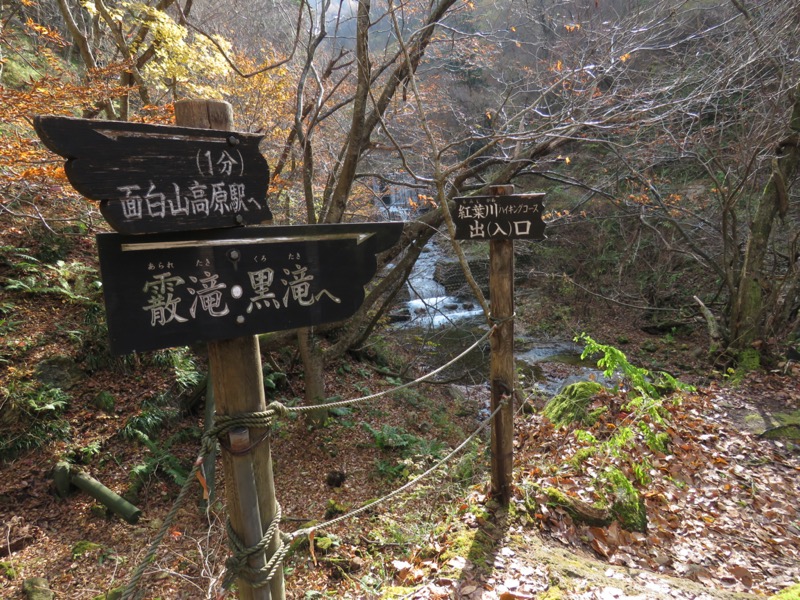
<point>237,567</point>
<point>278,409</point>
<point>496,322</point>
<point>224,423</point>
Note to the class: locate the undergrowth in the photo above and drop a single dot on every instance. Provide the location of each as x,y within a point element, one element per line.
<point>616,430</point>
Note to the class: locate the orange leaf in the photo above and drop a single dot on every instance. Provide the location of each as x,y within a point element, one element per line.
<point>311,545</point>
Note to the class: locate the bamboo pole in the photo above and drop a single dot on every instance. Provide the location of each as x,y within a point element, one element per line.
<point>65,476</point>
<point>238,387</point>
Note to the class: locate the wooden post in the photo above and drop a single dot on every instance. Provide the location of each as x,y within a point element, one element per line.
<point>501,295</point>
<point>235,371</point>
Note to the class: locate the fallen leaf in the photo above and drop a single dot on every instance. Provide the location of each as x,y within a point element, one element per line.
<point>743,575</point>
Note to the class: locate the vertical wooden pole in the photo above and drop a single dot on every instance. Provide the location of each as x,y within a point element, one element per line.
<point>501,295</point>
<point>235,370</point>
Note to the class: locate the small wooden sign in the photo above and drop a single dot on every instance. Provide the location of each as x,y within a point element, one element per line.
<point>514,217</point>
<point>173,290</point>
<point>159,178</point>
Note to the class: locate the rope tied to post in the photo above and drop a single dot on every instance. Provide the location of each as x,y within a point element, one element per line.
<point>498,321</point>
<point>237,567</point>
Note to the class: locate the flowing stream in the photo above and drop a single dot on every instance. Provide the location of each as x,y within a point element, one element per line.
<point>429,305</point>
<point>451,323</point>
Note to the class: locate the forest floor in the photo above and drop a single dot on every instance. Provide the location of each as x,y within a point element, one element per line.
<point>721,502</point>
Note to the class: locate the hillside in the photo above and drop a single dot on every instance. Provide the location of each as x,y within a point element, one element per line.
<point>721,504</point>
<point>656,393</point>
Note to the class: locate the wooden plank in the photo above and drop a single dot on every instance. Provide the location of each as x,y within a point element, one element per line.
<point>177,289</point>
<point>159,178</point>
<point>509,217</point>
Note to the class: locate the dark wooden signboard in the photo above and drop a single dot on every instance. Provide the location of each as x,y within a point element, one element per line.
<point>158,178</point>
<point>514,217</point>
<point>172,290</point>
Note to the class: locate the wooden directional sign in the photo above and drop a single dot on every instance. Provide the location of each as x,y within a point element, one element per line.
<point>158,178</point>
<point>173,290</point>
<point>513,217</point>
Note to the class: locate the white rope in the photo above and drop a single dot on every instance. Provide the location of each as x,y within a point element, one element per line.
<point>419,380</point>
<point>410,484</point>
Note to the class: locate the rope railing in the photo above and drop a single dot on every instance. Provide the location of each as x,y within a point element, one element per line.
<point>301,409</point>
<point>305,531</point>
<point>237,565</point>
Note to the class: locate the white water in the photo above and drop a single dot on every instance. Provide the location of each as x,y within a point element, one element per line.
<point>430,306</point>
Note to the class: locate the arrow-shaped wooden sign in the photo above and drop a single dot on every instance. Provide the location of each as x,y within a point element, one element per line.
<point>159,178</point>
<point>173,290</point>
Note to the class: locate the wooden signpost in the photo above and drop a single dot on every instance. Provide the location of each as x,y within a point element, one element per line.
<point>172,276</point>
<point>177,289</point>
<point>501,218</point>
<point>157,178</point>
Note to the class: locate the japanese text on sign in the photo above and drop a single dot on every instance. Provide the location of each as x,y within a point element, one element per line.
<point>195,199</point>
<point>498,217</point>
<point>166,290</point>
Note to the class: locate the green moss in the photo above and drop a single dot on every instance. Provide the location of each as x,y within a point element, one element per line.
<point>557,497</point>
<point>788,418</point>
<point>790,593</point>
<point>24,65</point>
<point>628,505</point>
<point>748,360</point>
<point>114,594</point>
<point>553,593</point>
<point>105,401</point>
<point>571,404</point>
<point>596,515</point>
<point>334,508</point>
<point>84,547</point>
<point>397,591</point>
<point>581,456</point>
<point>8,570</point>
<point>37,588</point>
<point>473,544</point>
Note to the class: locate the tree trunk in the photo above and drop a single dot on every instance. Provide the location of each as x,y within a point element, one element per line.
<point>313,367</point>
<point>748,314</point>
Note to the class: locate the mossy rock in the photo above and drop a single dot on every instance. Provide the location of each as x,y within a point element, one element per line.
<point>105,401</point>
<point>580,511</point>
<point>333,508</point>
<point>84,547</point>
<point>782,432</point>
<point>790,593</point>
<point>37,588</point>
<point>571,404</point>
<point>627,506</point>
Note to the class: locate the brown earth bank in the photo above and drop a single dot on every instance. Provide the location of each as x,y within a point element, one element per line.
<point>720,500</point>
